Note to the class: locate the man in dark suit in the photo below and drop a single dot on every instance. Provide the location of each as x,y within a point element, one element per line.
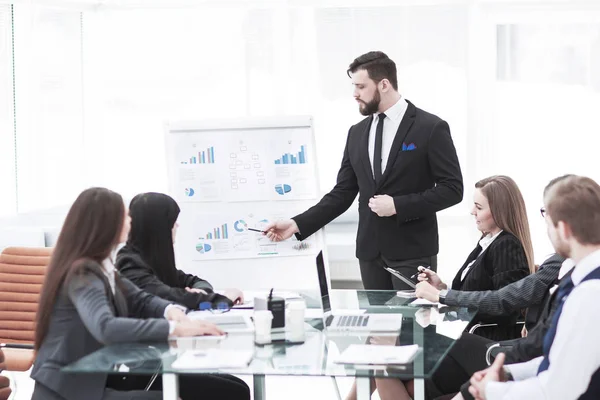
<point>402,162</point>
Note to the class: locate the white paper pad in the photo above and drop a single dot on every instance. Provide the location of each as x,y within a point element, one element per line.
<point>380,355</point>
<point>213,358</point>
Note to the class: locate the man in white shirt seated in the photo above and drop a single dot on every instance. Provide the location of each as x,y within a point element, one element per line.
<point>570,366</point>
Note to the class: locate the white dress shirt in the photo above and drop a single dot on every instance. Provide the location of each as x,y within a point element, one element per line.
<point>575,352</point>
<point>565,267</point>
<point>484,243</point>
<point>394,116</point>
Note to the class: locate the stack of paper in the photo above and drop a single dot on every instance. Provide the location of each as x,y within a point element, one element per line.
<point>213,359</point>
<point>374,354</point>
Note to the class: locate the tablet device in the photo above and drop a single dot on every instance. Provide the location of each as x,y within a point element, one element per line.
<point>401,277</point>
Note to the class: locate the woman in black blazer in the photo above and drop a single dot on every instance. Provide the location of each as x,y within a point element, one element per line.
<point>148,258</point>
<point>85,304</point>
<point>503,255</point>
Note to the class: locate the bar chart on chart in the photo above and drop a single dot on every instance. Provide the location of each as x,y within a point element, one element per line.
<point>293,169</point>
<point>293,158</point>
<point>218,233</point>
<point>206,156</point>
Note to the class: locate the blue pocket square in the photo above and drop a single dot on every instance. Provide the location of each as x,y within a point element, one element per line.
<point>408,147</point>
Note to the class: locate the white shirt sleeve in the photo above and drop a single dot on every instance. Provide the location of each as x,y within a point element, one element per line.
<point>525,370</point>
<point>574,356</point>
<point>173,323</point>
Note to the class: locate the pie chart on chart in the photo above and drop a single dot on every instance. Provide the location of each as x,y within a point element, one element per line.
<point>240,225</point>
<point>203,248</point>
<point>283,188</point>
<point>189,192</point>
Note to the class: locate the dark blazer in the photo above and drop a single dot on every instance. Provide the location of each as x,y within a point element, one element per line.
<point>501,263</point>
<point>131,265</point>
<point>531,346</point>
<point>530,292</point>
<point>86,317</point>
<point>423,179</point>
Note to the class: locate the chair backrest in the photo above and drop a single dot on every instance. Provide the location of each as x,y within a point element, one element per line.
<point>22,272</point>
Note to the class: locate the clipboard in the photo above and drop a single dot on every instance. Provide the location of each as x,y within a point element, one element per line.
<point>401,277</point>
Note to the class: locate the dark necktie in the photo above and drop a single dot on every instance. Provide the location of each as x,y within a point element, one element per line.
<point>378,145</point>
<point>564,289</point>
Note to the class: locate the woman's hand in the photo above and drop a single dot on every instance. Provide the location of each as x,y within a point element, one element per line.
<point>235,295</point>
<point>430,276</point>
<point>425,291</point>
<point>196,328</point>
<point>176,314</point>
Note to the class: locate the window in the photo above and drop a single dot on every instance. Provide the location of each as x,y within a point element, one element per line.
<point>8,200</point>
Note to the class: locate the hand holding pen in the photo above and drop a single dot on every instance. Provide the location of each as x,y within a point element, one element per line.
<point>427,275</point>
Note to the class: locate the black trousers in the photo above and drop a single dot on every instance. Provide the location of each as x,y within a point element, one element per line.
<point>374,277</point>
<point>466,357</point>
<point>191,387</point>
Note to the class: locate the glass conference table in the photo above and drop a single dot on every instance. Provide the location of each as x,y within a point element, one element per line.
<point>434,329</point>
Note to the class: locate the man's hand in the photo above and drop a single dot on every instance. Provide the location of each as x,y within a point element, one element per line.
<point>194,290</point>
<point>425,291</point>
<point>235,295</point>
<point>196,328</point>
<point>281,230</point>
<point>494,373</point>
<point>382,205</point>
<point>176,314</point>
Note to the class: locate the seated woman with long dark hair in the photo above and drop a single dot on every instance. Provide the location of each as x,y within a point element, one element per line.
<point>148,258</point>
<point>85,304</point>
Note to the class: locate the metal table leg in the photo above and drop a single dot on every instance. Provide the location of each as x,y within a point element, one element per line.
<point>260,390</point>
<point>170,387</point>
<point>363,388</point>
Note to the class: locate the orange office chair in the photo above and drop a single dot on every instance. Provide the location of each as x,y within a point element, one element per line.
<point>5,390</point>
<point>22,272</point>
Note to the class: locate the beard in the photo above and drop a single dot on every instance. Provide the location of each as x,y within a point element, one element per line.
<point>372,106</point>
<point>561,248</point>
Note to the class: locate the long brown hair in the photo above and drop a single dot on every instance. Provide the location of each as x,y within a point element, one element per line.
<point>91,230</point>
<point>508,210</point>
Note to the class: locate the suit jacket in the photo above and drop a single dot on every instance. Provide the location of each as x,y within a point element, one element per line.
<point>531,291</point>
<point>530,347</point>
<point>87,316</point>
<point>422,175</point>
<point>501,263</point>
<point>131,265</point>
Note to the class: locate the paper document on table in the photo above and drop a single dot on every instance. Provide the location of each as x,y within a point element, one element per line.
<point>379,355</point>
<point>213,359</point>
<point>424,302</point>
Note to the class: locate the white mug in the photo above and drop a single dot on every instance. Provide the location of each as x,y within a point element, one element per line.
<point>263,320</point>
<point>294,324</point>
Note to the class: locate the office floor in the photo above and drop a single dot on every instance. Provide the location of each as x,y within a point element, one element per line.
<point>289,388</point>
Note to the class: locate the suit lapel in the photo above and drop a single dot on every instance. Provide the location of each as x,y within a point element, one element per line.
<point>457,282</point>
<point>364,145</point>
<point>405,125</point>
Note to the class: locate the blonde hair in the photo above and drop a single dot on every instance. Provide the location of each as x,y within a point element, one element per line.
<point>508,210</point>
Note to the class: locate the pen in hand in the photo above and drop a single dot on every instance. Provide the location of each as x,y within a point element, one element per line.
<point>419,271</point>
<point>256,230</point>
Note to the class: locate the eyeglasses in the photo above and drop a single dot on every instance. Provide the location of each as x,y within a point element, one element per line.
<point>543,212</point>
<point>222,307</point>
